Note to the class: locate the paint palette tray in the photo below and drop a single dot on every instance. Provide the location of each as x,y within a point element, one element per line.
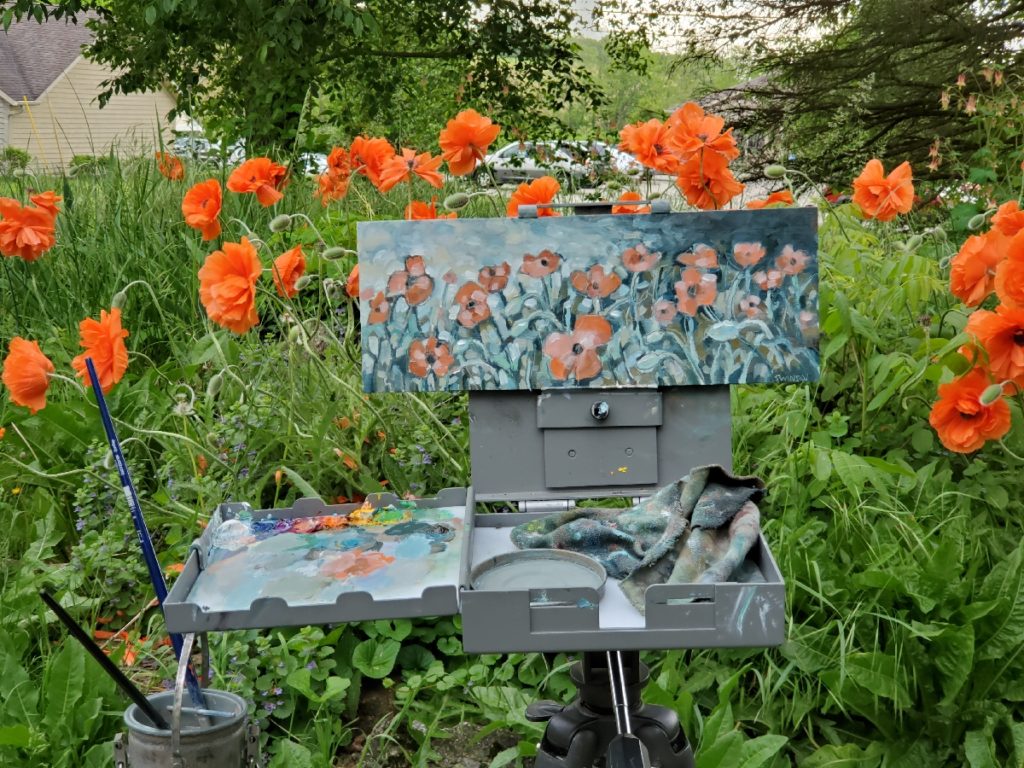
<point>316,563</point>
<point>722,615</point>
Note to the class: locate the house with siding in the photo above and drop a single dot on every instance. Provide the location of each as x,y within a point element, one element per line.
<point>49,98</point>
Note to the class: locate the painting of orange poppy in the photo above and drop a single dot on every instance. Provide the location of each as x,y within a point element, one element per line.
<point>722,297</point>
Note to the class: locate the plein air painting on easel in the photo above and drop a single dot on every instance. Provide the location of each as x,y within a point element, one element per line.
<point>594,301</point>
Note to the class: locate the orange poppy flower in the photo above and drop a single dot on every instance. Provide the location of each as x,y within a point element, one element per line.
<point>972,272</point>
<point>493,279</point>
<point>767,279</point>
<point>638,259</point>
<point>352,284</point>
<point>427,356</point>
<point>750,305</point>
<point>47,201</point>
<point>575,354</point>
<point>288,268</point>
<point>260,176</point>
<point>103,341</point>
<point>465,139</point>
<point>3,431</point>
<point>1009,219</point>
<point>665,311</point>
<point>627,197</point>
<point>399,169</point>
<point>961,421</point>
<point>696,289</point>
<point>537,192</point>
<point>368,156</point>
<point>648,143</point>
<point>170,166</point>
<point>595,283</point>
<point>707,183</point>
<point>748,254</point>
<point>703,256</point>
<point>419,211</point>
<point>541,265</point>
<point>25,231</point>
<point>413,282</point>
<point>26,374</point>
<point>691,132</point>
<point>782,197</point>
<point>791,261</point>
<point>330,187</point>
<point>339,164</point>
<point>473,308</point>
<point>883,197</point>
<point>227,286</point>
<point>201,208</point>
<point>1001,333</point>
<point>380,309</point>
<point>1009,283</point>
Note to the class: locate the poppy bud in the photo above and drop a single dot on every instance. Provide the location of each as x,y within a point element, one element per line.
<point>294,333</point>
<point>938,233</point>
<point>775,171</point>
<point>976,222</point>
<point>913,242</point>
<point>119,299</point>
<point>281,223</point>
<point>992,393</point>
<point>302,282</point>
<point>456,201</point>
<point>215,385</point>
<point>333,252</point>
<point>333,290</point>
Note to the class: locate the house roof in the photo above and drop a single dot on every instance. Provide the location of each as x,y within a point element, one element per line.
<point>33,56</point>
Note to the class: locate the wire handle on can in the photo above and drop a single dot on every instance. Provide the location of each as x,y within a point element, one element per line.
<point>187,642</point>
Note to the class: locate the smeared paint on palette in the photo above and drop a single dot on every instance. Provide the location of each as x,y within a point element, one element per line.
<point>721,297</point>
<point>393,552</point>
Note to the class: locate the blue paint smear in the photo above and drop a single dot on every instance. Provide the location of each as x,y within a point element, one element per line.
<point>414,547</point>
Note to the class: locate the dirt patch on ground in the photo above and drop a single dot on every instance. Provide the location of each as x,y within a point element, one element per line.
<point>381,743</point>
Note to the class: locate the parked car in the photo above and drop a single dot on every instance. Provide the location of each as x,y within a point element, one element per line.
<point>527,160</point>
<point>311,163</point>
<point>197,147</point>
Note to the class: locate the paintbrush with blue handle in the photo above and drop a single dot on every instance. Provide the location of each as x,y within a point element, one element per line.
<point>145,542</point>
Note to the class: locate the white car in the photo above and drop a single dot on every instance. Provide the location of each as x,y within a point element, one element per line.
<point>528,160</point>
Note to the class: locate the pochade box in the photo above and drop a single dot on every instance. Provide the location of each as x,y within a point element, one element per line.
<point>597,351</point>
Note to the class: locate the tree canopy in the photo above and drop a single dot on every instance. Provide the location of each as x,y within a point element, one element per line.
<point>253,68</point>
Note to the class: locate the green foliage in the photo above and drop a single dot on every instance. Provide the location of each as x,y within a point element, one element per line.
<point>13,160</point>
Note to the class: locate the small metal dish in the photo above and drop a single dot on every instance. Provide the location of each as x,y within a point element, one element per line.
<point>538,569</point>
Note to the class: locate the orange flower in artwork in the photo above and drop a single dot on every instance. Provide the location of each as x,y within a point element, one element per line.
<point>782,197</point>
<point>170,166</point>
<point>791,261</point>
<point>767,279</point>
<point>473,307</point>
<point>260,176</point>
<point>638,258</point>
<point>417,210</point>
<point>201,208</point>
<point>595,283</point>
<point>26,231</point>
<point>703,256</point>
<point>1001,333</point>
<point>692,132</point>
<point>352,284</point>
<point>883,197</point>
<point>26,374</point>
<point>288,268</point>
<point>1009,282</point>
<point>748,254</point>
<point>630,197</point>
<point>227,286</point>
<point>696,289</point>
<point>413,283</point>
<point>1008,219</point>
<point>962,422</point>
<point>972,272</point>
<point>465,139</point>
<point>575,354</point>
<point>541,264</point>
<point>495,278</point>
<point>537,192</point>
<point>47,201</point>
<point>402,167</point>
<point>649,143</point>
<point>369,155</point>
<point>380,309</point>
<point>103,341</point>
<point>707,183</point>
<point>428,356</point>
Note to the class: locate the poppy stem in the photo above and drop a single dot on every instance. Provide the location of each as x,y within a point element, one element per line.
<point>311,224</point>
<point>1002,442</point>
<point>60,377</point>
